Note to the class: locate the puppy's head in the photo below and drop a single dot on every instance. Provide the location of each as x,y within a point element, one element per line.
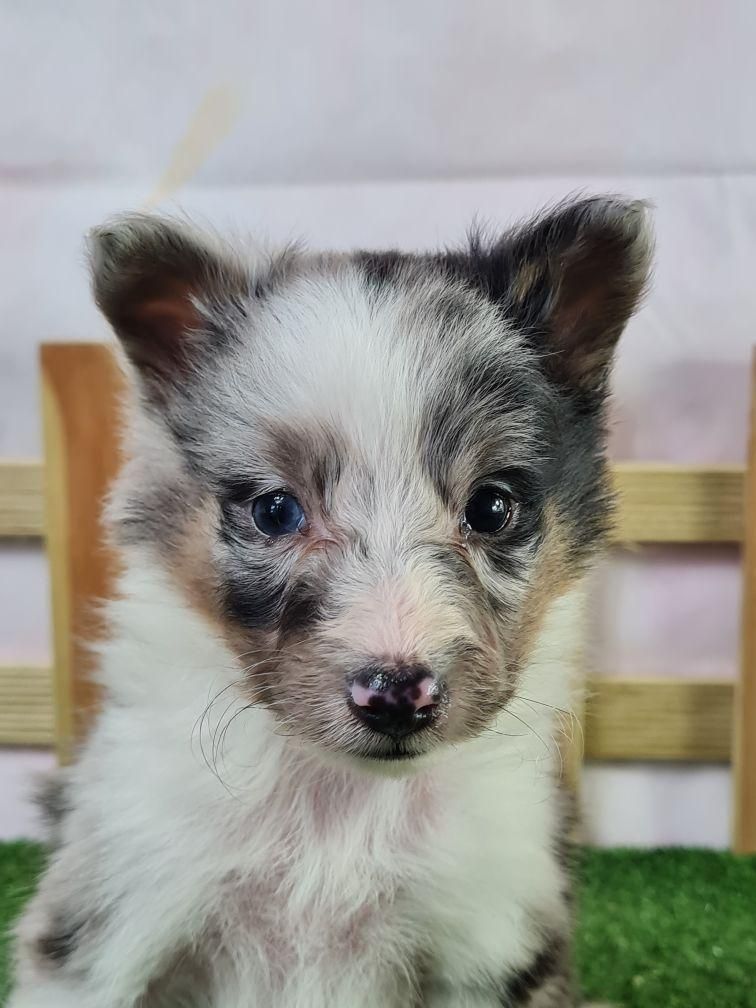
<point>373,473</point>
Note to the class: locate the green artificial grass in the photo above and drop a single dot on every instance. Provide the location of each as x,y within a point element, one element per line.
<point>20,864</point>
<point>658,929</point>
<point>668,928</point>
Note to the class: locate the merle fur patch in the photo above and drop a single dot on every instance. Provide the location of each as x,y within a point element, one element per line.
<point>58,943</point>
<point>549,966</point>
<point>54,802</point>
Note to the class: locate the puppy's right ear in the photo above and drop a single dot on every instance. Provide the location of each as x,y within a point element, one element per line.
<point>163,288</point>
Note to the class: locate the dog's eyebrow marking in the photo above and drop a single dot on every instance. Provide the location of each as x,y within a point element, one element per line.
<point>478,403</point>
<point>326,472</point>
<point>240,489</point>
<point>312,459</point>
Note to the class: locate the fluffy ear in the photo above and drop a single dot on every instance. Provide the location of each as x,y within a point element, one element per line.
<point>157,283</point>
<point>572,278</point>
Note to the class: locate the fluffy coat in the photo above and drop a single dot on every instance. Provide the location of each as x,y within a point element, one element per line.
<point>232,835</point>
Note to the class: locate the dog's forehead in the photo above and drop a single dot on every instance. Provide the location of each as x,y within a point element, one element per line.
<point>339,355</point>
<point>336,372</point>
<point>342,331</point>
<point>332,345</point>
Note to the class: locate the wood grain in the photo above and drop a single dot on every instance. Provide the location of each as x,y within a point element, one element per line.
<point>26,707</point>
<point>81,384</point>
<point>679,504</point>
<point>744,742</point>
<point>659,719</point>
<point>21,501</point>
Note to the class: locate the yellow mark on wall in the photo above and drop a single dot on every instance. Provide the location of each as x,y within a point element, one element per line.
<point>209,126</point>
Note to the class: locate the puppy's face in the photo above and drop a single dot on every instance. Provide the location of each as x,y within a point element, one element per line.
<point>373,472</point>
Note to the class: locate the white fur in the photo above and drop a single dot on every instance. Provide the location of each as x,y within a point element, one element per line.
<point>316,882</point>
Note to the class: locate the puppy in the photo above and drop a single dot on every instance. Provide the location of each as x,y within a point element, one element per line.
<point>363,496</point>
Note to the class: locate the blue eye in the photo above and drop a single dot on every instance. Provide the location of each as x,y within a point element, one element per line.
<point>278,514</point>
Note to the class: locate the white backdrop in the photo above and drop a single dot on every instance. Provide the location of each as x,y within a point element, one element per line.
<point>396,124</point>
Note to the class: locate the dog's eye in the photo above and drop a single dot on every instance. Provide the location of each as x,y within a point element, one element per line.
<point>489,510</point>
<point>278,513</point>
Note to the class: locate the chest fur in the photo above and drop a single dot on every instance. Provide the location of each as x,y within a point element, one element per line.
<point>347,884</point>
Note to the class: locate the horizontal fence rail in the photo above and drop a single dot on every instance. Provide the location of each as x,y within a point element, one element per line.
<point>21,499</point>
<point>685,720</point>
<point>26,706</point>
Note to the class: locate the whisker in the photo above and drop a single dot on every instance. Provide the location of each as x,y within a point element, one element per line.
<point>541,703</point>
<point>546,747</point>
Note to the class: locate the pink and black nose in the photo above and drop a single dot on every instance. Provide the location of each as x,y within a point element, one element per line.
<point>396,700</point>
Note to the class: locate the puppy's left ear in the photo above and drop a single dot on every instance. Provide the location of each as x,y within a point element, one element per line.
<point>571,279</point>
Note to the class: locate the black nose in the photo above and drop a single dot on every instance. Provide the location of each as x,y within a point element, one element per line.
<point>395,700</point>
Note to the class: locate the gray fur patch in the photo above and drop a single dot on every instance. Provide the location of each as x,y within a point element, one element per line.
<point>545,983</point>
<point>53,801</point>
<point>58,944</point>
